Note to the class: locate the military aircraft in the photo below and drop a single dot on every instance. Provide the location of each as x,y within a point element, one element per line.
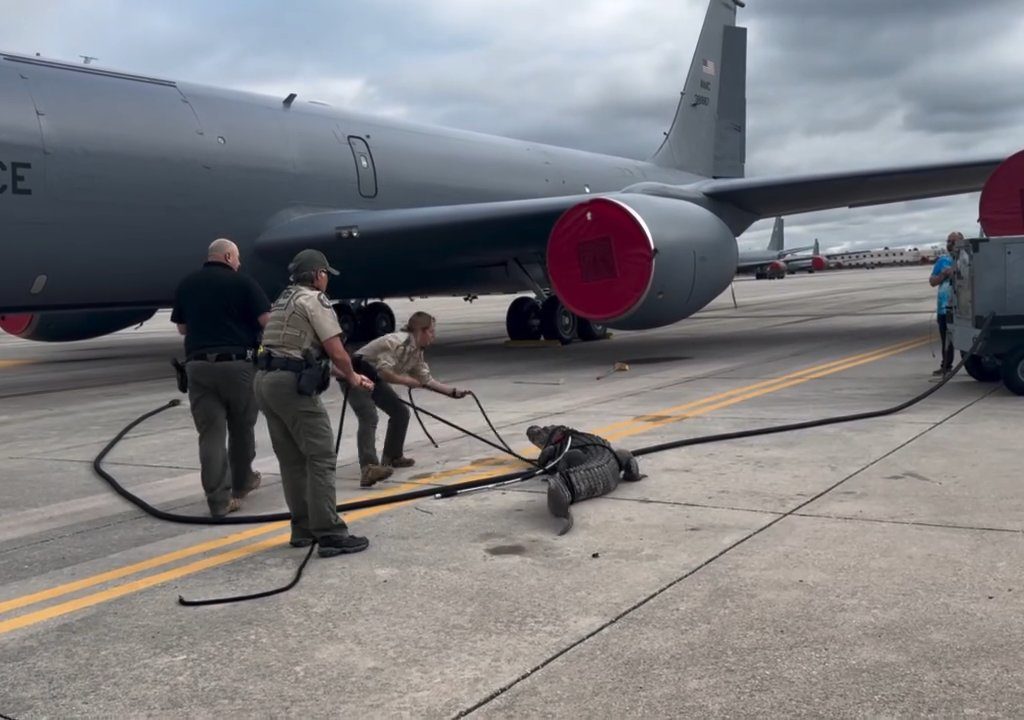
<point>777,260</point>
<point>811,263</point>
<point>112,185</point>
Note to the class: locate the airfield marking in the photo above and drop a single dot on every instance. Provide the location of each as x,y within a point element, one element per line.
<point>617,430</point>
<point>4,364</point>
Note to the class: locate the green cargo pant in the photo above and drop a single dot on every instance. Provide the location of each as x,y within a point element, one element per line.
<point>223,408</point>
<point>300,431</point>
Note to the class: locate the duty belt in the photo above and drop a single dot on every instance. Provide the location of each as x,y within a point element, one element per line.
<point>266,361</point>
<point>221,356</point>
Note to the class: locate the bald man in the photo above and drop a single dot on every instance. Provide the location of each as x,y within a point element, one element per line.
<point>941,277</point>
<point>221,313</point>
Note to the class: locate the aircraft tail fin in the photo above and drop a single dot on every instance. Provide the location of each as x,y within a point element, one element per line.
<point>817,247</point>
<point>778,241</point>
<point>708,133</point>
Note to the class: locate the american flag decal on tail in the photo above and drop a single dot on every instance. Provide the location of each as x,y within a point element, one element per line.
<point>708,66</point>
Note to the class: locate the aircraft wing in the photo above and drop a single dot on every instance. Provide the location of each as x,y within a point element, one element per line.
<point>472,234</point>
<point>768,196</point>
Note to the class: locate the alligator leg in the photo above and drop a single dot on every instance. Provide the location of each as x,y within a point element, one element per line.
<point>629,465</point>
<point>559,499</point>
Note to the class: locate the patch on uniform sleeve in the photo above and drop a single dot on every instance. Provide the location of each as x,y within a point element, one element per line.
<point>325,301</point>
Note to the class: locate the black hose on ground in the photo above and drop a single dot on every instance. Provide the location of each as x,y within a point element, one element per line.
<point>489,482</point>
<point>450,490</point>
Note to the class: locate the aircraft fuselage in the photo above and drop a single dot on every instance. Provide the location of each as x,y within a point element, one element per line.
<point>114,184</point>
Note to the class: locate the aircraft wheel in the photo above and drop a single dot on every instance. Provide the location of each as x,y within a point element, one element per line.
<point>1013,371</point>
<point>522,320</point>
<point>557,322</point>
<point>590,330</point>
<point>376,319</point>
<point>347,320</point>
<point>983,368</point>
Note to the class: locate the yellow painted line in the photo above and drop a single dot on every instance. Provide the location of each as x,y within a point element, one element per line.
<point>13,363</point>
<point>627,428</point>
<point>827,368</point>
<point>165,559</point>
<point>157,561</point>
<point>69,606</point>
<point>736,399</point>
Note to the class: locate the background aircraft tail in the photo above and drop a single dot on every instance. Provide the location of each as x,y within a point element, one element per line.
<point>778,241</point>
<point>707,136</point>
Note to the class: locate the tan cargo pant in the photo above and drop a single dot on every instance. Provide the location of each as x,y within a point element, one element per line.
<point>300,431</point>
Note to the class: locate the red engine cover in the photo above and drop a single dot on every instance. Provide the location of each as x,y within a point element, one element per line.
<point>1001,207</point>
<point>818,262</point>
<point>777,266</point>
<point>600,259</point>
<point>15,324</point>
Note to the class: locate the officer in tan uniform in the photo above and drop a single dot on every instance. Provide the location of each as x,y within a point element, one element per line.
<point>302,348</point>
<point>395,358</point>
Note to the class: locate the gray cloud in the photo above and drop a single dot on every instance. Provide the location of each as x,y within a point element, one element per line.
<point>832,84</point>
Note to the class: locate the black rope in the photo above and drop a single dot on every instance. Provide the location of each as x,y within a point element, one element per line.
<point>506,449</point>
<point>416,412</point>
<point>341,420</point>
<point>253,596</point>
<point>482,483</point>
<point>449,490</point>
<point>491,425</point>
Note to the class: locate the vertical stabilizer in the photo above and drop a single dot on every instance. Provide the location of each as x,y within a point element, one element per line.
<point>817,247</point>
<point>707,136</point>
<point>777,243</point>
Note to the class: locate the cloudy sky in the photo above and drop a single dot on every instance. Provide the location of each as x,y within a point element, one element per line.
<point>832,84</point>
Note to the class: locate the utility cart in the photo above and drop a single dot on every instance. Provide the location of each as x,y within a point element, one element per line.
<point>989,280</point>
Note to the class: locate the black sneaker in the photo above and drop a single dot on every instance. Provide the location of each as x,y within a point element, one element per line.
<point>300,541</point>
<point>331,545</point>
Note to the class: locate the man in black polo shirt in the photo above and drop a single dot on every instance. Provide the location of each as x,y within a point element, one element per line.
<point>221,314</point>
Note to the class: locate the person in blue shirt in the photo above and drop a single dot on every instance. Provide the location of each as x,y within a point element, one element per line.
<point>941,277</point>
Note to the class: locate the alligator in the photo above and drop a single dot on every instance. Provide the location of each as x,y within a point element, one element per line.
<point>582,466</point>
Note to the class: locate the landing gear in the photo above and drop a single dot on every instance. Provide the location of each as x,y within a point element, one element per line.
<point>591,330</point>
<point>522,321</point>
<point>347,320</point>
<point>528,319</point>
<point>364,322</point>
<point>557,322</point>
<point>376,319</point>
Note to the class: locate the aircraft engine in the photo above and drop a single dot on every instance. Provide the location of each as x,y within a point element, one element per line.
<point>639,261</point>
<point>67,325</point>
<point>817,262</point>
<point>776,268</point>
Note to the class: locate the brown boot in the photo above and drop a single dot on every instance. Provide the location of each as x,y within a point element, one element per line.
<point>234,505</point>
<point>255,478</point>
<point>373,474</point>
<point>400,462</point>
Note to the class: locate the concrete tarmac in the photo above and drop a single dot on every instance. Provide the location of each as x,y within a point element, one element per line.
<point>864,569</point>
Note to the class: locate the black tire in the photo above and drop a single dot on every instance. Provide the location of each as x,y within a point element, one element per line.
<point>347,320</point>
<point>557,322</point>
<point>1013,371</point>
<point>375,320</point>
<point>983,368</point>
<point>590,330</point>
<point>522,320</point>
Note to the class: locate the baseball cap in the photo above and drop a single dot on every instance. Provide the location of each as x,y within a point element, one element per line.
<point>310,260</point>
